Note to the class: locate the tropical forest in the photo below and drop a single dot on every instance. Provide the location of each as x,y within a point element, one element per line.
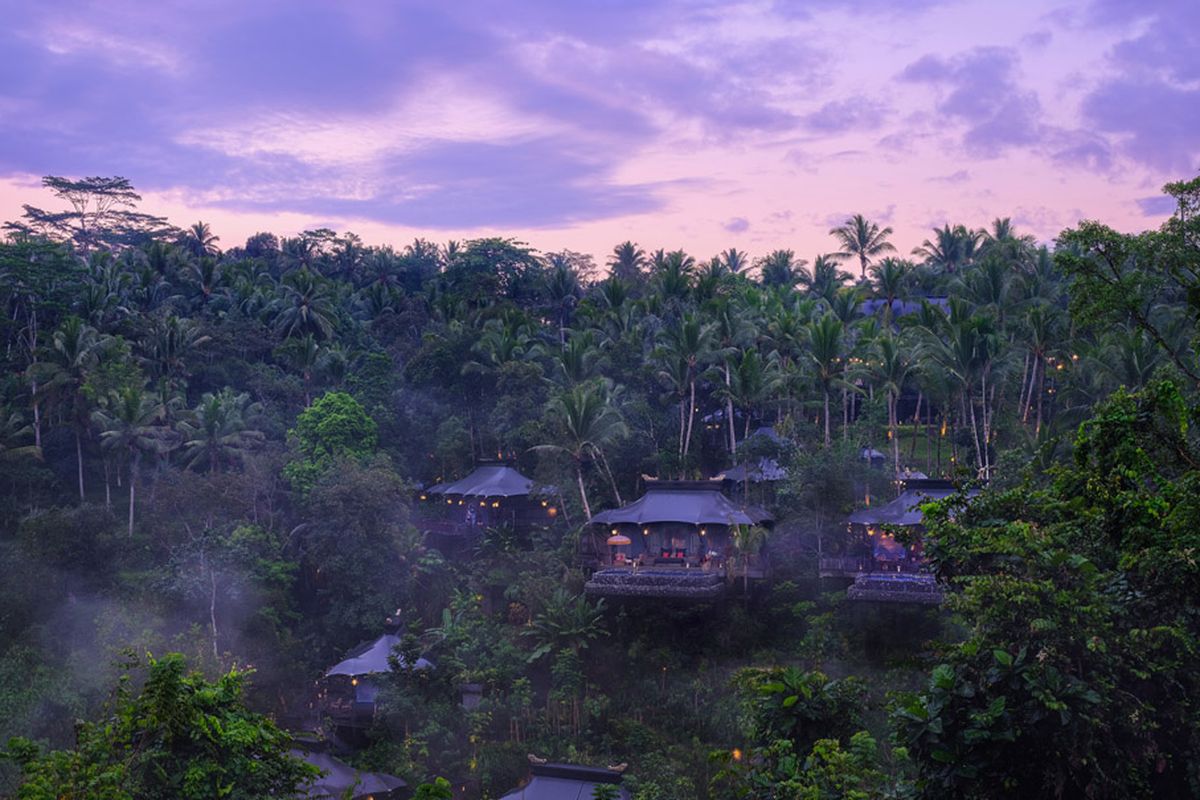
<point>470,519</point>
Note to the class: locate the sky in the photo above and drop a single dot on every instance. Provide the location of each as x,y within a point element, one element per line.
<point>673,123</point>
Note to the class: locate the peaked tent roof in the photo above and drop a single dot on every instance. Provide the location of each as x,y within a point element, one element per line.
<point>688,502</point>
<point>488,480</point>
<point>340,776</point>
<point>372,658</point>
<point>767,469</point>
<point>905,509</point>
<point>566,782</point>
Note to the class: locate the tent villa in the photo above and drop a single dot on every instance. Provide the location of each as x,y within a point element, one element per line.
<point>494,494</point>
<point>675,540</point>
<point>351,687</point>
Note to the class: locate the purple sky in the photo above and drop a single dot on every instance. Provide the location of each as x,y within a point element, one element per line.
<point>579,124</point>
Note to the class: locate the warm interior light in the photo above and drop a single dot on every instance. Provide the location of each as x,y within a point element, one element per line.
<point>552,511</point>
<point>354,681</point>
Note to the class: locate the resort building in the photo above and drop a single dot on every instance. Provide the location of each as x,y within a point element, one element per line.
<point>494,494</point>
<point>549,781</point>
<point>680,539</point>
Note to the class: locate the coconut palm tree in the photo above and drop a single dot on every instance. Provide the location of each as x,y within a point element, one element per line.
<point>627,262</point>
<point>862,239</point>
<point>951,248</point>
<point>889,368</point>
<point>890,277</point>
<point>689,342</point>
<point>14,431</point>
<point>198,240</point>
<point>735,261</point>
<point>218,429</point>
<point>826,340</point>
<point>128,424</point>
<point>62,378</point>
<point>825,278</point>
<point>167,349</point>
<point>305,305</point>
<point>588,423</point>
<point>780,269</point>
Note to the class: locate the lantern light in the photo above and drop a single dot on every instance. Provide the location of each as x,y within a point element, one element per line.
<point>552,511</point>
<point>354,681</point>
<point>737,754</point>
<point>424,497</point>
<point>645,531</point>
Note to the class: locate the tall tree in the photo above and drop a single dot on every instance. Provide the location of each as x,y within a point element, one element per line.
<point>588,423</point>
<point>101,215</point>
<point>862,239</point>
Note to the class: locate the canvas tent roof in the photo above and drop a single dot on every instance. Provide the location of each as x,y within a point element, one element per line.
<point>372,658</point>
<point>488,480</point>
<point>904,510</point>
<point>688,502</point>
<point>767,469</point>
<point>566,782</point>
<point>340,777</point>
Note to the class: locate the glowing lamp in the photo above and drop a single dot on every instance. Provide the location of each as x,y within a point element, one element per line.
<point>354,681</point>
<point>552,511</point>
<point>737,754</point>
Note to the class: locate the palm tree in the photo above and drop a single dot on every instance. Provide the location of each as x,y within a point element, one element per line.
<point>77,350</point>
<point>751,379</point>
<point>673,273</point>
<point>128,430</point>
<point>951,249</point>
<point>748,541</point>
<point>218,430</point>
<point>588,423</point>
<point>825,279</point>
<point>891,278</point>
<point>199,241</point>
<point>169,345</point>
<point>825,342</point>
<point>889,368</point>
<point>306,305</point>
<point>862,239</point>
<point>688,342</point>
<point>780,269</point>
<point>735,261</point>
<point>13,432</point>
<point>627,262</point>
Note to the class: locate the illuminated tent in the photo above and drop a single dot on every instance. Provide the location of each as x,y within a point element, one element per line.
<point>488,480</point>
<point>339,777</point>
<point>566,782</point>
<point>372,658</point>
<point>685,502</point>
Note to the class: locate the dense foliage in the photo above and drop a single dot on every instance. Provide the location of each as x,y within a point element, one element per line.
<point>218,452</point>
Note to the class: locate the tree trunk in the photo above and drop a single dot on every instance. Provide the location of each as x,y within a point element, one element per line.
<point>827,439</point>
<point>587,509</point>
<point>133,465</point>
<point>895,437</point>
<point>1041,390</point>
<point>611,480</point>
<point>687,444</point>
<point>107,488</point>
<point>79,462</point>
<point>912,452</point>
<point>212,612</point>
<point>729,415</point>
